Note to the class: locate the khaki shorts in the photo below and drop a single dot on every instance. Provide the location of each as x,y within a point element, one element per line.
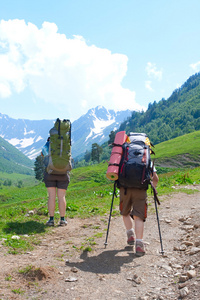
<point>133,201</point>
<point>59,181</point>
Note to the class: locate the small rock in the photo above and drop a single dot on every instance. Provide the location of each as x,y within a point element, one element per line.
<point>182,285</point>
<point>187,243</point>
<point>187,222</point>
<point>102,278</point>
<point>177,274</point>
<point>15,237</point>
<point>167,221</point>
<point>60,273</point>
<point>182,219</point>
<point>191,267</point>
<point>176,248</point>
<point>183,278</point>
<point>187,228</point>
<point>74,269</point>
<point>136,279</point>
<point>31,212</point>
<point>71,279</point>
<point>197,243</point>
<point>197,263</point>
<point>184,292</point>
<point>67,261</point>
<point>194,250</point>
<point>176,266</point>
<point>191,273</point>
<point>166,267</point>
<point>183,247</point>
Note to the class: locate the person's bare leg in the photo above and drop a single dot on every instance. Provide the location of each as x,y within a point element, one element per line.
<point>61,201</point>
<point>51,200</point>
<point>128,222</point>
<point>139,230</point>
<point>139,227</point>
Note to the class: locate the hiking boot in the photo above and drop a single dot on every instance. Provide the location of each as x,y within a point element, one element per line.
<point>139,247</point>
<point>50,223</point>
<point>63,223</point>
<point>131,240</point>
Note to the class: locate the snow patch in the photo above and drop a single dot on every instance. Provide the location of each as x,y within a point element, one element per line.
<point>38,139</point>
<point>14,141</point>
<point>23,143</point>
<point>28,132</point>
<point>33,155</point>
<point>99,126</point>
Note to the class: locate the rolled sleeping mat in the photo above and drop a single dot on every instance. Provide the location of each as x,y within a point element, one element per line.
<point>112,172</point>
<point>116,154</point>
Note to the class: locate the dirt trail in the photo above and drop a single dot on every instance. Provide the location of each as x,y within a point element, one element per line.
<point>62,271</point>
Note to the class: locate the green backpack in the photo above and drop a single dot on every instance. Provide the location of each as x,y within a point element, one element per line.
<point>60,148</point>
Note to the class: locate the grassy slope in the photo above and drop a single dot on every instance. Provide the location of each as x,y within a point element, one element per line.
<point>14,161</point>
<point>181,151</point>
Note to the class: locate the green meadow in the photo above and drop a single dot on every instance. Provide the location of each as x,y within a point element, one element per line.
<point>186,144</point>
<point>23,208</point>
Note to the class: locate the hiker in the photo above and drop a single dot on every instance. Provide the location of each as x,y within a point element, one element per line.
<point>56,177</point>
<point>133,208</point>
<point>134,176</point>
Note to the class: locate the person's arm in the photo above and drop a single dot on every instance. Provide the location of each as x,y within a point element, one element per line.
<point>155,179</point>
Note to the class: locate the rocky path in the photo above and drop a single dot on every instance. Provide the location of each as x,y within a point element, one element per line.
<point>60,270</point>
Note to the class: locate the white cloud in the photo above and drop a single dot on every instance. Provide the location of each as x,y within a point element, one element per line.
<point>60,70</point>
<point>153,72</point>
<point>195,66</point>
<point>4,90</point>
<point>148,85</point>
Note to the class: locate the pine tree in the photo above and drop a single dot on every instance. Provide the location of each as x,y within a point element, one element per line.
<point>39,168</point>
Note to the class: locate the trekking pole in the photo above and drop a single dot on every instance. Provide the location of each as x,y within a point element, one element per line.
<point>156,200</point>
<point>110,215</point>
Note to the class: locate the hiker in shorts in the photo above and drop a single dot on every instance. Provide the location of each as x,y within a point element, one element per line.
<point>56,185</point>
<point>133,208</point>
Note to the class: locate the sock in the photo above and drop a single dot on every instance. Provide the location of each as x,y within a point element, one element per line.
<point>139,240</point>
<point>130,232</point>
<point>62,218</point>
<point>51,219</point>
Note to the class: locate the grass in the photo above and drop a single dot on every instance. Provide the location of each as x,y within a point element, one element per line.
<point>186,144</point>
<point>27,180</point>
<point>91,197</point>
<point>82,202</point>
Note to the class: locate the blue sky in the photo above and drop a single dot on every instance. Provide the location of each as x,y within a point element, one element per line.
<point>61,58</point>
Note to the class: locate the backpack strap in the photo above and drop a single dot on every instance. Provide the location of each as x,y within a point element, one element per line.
<point>58,121</point>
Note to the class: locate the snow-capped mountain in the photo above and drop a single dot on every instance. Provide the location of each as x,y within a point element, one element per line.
<point>93,127</point>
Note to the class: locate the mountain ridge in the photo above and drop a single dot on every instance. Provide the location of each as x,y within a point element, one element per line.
<point>14,161</point>
<point>29,136</point>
